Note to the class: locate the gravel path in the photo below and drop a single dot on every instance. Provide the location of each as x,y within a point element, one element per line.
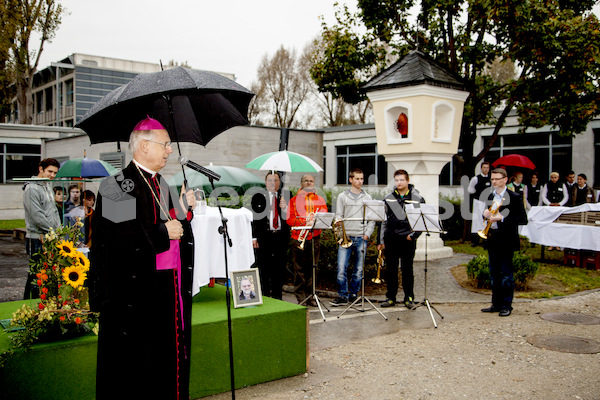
<point>471,355</point>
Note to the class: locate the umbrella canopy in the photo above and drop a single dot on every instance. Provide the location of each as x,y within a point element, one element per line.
<point>85,168</point>
<point>203,105</point>
<point>284,161</point>
<point>514,160</point>
<point>238,179</point>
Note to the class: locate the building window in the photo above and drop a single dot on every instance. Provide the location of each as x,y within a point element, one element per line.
<point>548,151</point>
<point>69,91</point>
<point>18,161</point>
<point>116,159</point>
<point>365,157</point>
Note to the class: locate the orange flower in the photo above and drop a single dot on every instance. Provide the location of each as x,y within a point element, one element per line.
<point>39,282</point>
<point>62,317</point>
<point>76,301</point>
<point>43,296</point>
<point>41,306</point>
<point>77,320</point>
<point>45,290</point>
<point>44,277</point>
<point>39,275</point>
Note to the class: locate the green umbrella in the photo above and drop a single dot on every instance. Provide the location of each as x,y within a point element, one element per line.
<point>238,179</point>
<point>85,168</point>
<point>284,161</point>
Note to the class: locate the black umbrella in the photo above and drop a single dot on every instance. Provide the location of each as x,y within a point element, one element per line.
<point>194,106</point>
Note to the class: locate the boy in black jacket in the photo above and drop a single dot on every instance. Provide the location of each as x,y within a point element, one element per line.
<point>398,240</point>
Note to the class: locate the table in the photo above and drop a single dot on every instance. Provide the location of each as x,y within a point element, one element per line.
<point>542,230</point>
<point>209,259</point>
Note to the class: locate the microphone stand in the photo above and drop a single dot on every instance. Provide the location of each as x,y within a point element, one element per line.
<point>226,241</point>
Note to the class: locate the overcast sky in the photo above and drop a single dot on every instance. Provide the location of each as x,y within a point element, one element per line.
<point>220,35</point>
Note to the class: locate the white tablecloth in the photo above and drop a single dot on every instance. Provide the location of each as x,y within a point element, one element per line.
<point>542,230</point>
<point>209,259</point>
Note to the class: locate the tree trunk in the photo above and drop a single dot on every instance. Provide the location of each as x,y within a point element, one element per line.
<point>24,101</point>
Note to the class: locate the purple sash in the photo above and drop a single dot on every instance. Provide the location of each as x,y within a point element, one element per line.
<point>171,259</point>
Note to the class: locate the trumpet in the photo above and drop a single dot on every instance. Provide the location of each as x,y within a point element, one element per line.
<point>304,232</point>
<point>340,234</point>
<point>380,261</point>
<point>494,210</point>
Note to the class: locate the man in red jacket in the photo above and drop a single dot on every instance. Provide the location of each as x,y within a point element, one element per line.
<point>300,213</point>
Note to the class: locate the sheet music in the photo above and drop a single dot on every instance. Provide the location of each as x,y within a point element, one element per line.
<point>423,219</point>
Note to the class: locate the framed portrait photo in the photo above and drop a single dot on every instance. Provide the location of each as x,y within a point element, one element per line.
<point>246,288</point>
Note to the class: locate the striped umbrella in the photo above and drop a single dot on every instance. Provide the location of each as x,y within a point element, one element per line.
<point>284,161</point>
<point>85,168</point>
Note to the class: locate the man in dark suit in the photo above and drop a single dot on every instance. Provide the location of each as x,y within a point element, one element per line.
<point>502,241</point>
<point>271,236</point>
<point>140,276</point>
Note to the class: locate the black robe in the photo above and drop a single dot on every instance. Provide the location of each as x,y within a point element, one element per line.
<point>143,350</point>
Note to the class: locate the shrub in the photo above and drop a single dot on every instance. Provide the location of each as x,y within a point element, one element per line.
<point>525,270</point>
<point>478,271</point>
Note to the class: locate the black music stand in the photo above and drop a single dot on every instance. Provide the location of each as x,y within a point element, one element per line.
<point>372,210</point>
<point>322,221</point>
<point>425,219</point>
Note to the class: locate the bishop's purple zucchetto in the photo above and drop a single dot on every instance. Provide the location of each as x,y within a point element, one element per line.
<point>148,124</point>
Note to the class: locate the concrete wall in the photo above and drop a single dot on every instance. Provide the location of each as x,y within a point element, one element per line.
<point>235,147</point>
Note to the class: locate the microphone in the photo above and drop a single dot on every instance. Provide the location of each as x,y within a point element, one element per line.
<point>199,168</point>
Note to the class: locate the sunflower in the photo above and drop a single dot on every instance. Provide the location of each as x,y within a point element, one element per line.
<point>74,275</point>
<point>67,248</point>
<point>83,260</point>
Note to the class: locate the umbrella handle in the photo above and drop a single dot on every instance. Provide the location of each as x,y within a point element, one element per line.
<point>185,185</point>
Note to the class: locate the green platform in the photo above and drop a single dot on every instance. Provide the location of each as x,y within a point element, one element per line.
<point>269,342</point>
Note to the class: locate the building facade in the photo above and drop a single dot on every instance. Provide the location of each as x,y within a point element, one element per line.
<point>64,91</point>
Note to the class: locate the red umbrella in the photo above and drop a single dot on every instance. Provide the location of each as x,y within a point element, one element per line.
<point>514,160</point>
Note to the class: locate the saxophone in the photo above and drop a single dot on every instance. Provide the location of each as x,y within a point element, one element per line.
<point>304,232</point>
<point>340,234</point>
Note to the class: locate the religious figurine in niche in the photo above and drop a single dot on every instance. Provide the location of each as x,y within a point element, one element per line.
<point>402,125</point>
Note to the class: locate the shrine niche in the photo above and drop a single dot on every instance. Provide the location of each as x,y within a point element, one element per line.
<point>443,122</point>
<point>398,123</point>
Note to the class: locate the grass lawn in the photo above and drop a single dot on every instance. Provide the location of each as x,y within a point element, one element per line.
<point>8,224</point>
<point>553,278</point>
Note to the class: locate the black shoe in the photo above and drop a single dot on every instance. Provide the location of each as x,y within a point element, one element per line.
<point>388,303</point>
<point>505,312</point>
<point>352,298</point>
<point>490,309</point>
<point>410,304</point>
<point>340,301</point>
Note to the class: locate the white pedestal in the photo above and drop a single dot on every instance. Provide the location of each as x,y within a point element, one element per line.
<point>435,248</point>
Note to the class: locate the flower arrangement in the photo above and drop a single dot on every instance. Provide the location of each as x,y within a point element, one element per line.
<point>63,310</point>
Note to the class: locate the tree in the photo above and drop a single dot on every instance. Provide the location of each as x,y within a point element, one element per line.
<point>554,44</point>
<point>334,111</point>
<point>7,33</point>
<point>282,87</point>
<point>20,19</point>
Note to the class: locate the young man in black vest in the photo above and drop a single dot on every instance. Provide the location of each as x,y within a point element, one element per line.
<point>398,240</point>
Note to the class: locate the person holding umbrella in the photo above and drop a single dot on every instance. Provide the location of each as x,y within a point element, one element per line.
<point>140,276</point>
<point>271,235</point>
